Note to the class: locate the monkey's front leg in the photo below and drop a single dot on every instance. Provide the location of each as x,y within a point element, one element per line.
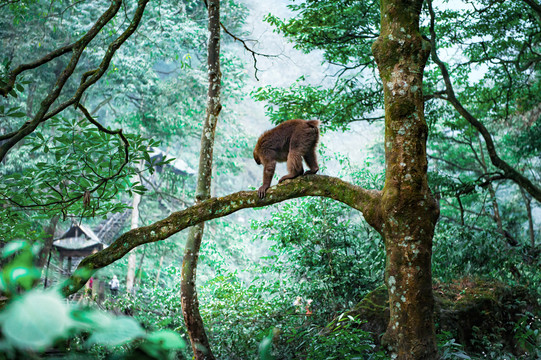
<point>268,172</point>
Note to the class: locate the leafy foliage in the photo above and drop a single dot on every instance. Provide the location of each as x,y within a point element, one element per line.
<point>347,101</point>
<point>458,252</point>
<point>38,320</point>
<point>325,241</point>
<point>346,341</point>
<point>345,38</point>
<point>82,175</point>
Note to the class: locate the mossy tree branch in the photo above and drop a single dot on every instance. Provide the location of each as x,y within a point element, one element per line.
<point>366,201</point>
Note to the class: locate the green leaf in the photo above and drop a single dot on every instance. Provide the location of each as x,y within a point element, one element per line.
<point>36,320</point>
<point>89,320</point>
<point>265,347</point>
<point>12,247</point>
<point>117,332</point>
<point>167,339</point>
<point>160,343</point>
<point>19,273</point>
<point>146,156</point>
<point>18,114</point>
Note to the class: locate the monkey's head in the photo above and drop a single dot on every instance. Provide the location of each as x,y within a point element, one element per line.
<point>256,158</point>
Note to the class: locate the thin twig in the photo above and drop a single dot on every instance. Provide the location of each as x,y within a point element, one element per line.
<point>251,51</point>
<point>110,132</point>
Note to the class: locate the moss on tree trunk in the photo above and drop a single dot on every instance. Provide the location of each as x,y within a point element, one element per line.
<point>469,309</point>
<point>408,207</point>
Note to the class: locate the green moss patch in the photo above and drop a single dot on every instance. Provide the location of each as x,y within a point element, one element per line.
<point>478,313</point>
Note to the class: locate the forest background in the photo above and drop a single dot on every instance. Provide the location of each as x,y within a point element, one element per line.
<point>282,281</point>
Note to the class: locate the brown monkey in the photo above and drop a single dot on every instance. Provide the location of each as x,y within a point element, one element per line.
<point>290,141</point>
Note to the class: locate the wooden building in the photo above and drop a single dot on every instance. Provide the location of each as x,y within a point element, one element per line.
<point>74,245</point>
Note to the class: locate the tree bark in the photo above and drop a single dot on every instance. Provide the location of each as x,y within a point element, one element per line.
<point>130,276</point>
<point>528,203</point>
<point>47,242</point>
<point>409,209</point>
<point>190,303</point>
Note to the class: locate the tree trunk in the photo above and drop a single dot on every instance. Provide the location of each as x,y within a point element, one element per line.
<point>159,272</point>
<point>495,208</point>
<point>47,242</point>
<point>140,268</point>
<point>130,276</point>
<point>190,303</point>
<point>528,203</point>
<point>409,209</point>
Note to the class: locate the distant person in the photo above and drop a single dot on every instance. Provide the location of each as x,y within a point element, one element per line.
<point>89,287</point>
<point>113,285</point>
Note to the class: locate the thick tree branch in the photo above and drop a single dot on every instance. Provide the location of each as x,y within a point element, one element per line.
<point>77,48</point>
<point>188,290</point>
<point>366,201</point>
<point>92,76</point>
<point>498,162</point>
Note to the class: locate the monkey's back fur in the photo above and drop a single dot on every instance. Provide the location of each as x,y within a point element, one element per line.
<point>291,141</point>
<point>278,140</point>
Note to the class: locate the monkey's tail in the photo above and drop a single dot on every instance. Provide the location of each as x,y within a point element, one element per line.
<point>313,123</point>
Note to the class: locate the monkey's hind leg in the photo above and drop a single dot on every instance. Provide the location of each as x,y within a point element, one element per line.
<point>311,161</point>
<point>294,165</point>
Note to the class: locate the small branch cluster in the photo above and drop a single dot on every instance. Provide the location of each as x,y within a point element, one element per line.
<point>101,182</point>
<point>508,171</point>
<point>89,78</point>
<point>254,53</point>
